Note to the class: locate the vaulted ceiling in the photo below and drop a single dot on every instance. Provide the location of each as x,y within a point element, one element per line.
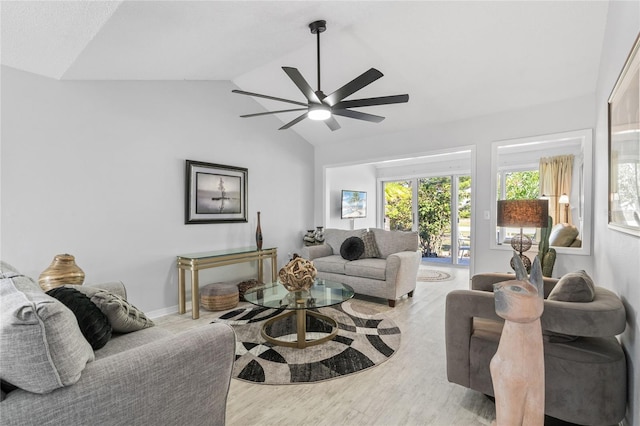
<point>455,59</point>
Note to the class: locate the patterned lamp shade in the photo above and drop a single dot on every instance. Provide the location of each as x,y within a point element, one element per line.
<point>523,213</point>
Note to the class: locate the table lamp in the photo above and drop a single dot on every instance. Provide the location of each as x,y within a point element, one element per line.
<point>523,213</point>
<point>564,199</point>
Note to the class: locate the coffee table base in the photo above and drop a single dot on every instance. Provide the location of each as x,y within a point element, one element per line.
<point>301,328</point>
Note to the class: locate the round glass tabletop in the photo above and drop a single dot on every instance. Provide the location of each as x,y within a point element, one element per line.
<point>322,293</point>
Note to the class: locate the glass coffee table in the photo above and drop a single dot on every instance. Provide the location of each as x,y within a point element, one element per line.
<point>323,293</point>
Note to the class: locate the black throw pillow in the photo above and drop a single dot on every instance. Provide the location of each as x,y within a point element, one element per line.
<point>352,248</point>
<point>94,325</point>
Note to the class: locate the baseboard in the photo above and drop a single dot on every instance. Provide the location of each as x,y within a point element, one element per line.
<point>166,311</point>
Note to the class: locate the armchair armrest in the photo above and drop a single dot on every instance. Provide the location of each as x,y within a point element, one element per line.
<point>461,307</point>
<point>181,379</point>
<point>313,252</point>
<point>485,281</point>
<point>603,317</point>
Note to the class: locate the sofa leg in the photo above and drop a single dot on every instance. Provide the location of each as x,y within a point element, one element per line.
<point>410,294</point>
<point>392,303</point>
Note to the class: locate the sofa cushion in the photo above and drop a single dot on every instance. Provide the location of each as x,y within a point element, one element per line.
<point>367,268</point>
<point>335,237</point>
<point>352,248</point>
<point>333,264</point>
<point>390,242</point>
<point>574,287</point>
<point>94,325</point>
<point>41,346</point>
<point>370,246</point>
<point>123,342</point>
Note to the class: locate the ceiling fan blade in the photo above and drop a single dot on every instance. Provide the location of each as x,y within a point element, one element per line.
<point>332,123</point>
<point>294,121</point>
<point>273,98</point>
<point>381,100</point>
<point>272,112</point>
<point>302,84</point>
<point>358,115</point>
<point>353,86</point>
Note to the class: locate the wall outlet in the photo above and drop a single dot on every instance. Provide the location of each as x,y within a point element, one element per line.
<point>487,215</point>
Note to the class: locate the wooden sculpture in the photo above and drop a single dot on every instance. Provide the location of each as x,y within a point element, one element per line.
<point>298,274</point>
<point>517,369</point>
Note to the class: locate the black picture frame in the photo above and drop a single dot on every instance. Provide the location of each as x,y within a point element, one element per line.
<point>624,147</point>
<point>215,193</point>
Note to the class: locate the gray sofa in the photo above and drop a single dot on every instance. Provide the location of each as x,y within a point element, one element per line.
<point>145,377</point>
<point>585,366</point>
<point>387,270</point>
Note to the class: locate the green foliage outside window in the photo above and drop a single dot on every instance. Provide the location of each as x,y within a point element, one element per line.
<point>434,208</point>
<point>397,209</point>
<point>434,211</point>
<point>523,185</point>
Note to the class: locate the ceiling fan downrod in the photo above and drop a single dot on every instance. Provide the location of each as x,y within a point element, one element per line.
<point>318,27</point>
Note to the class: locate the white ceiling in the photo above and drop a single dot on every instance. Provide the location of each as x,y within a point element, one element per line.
<point>456,60</point>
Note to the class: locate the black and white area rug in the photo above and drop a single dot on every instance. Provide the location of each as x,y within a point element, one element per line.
<point>365,339</point>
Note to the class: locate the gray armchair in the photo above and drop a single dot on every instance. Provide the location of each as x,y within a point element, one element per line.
<point>585,366</point>
<point>146,377</point>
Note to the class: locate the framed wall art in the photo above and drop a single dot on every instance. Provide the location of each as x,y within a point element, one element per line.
<point>624,147</point>
<point>215,193</point>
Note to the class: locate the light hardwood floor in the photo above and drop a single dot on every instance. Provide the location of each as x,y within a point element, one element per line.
<point>411,388</point>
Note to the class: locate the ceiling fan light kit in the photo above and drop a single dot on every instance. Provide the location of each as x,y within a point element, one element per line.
<point>318,112</point>
<point>321,107</point>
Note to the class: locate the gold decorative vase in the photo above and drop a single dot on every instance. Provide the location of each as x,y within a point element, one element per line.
<point>298,274</point>
<point>63,270</point>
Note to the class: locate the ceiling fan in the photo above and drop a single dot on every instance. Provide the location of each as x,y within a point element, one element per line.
<point>322,107</point>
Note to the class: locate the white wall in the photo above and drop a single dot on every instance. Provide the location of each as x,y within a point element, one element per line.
<point>573,114</point>
<point>616,254</point>
<point>97,169</point>
<point>355,178</point>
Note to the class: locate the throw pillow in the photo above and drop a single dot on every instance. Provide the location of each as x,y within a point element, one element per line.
<point>41,346</point>
<point>352,248</point>
<point>94,325</point>
<point>370,246</point>
<point>124,317</point>
<point>335,237</point>
<point>574,287</point>
<point>562,235</point>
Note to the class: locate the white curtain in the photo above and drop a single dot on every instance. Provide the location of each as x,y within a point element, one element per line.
<point>555,180</point>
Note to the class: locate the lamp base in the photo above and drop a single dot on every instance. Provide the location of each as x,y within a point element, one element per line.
<point>521,243</point>
<point>525,261</point>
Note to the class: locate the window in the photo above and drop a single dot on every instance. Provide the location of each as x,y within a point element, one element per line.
<point>517,185</point>
<point>514,165</point>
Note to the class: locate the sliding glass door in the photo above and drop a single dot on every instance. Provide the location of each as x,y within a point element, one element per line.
<point>439,208</point>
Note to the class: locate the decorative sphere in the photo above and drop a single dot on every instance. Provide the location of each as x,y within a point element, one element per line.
<point>525,261</point>
<point>520,243</point>
<point>298,274</point>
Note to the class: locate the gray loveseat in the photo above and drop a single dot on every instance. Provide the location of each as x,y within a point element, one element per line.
<point>585,366</point>
<point>387,270</point>
<point>145,377</point>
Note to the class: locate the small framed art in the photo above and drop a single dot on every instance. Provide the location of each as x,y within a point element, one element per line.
<point>215,193</point>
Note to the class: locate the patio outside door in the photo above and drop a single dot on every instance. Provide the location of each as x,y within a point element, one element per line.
<point>439,208</point>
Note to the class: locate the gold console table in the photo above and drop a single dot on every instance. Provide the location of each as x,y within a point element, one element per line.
<point>195,262</point>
